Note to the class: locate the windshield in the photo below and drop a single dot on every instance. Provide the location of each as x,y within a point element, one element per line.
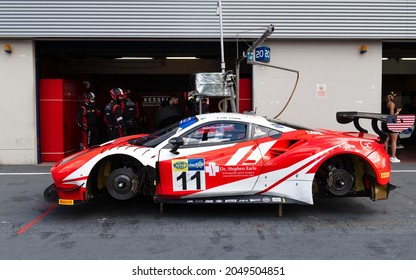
<point>157,137</point>
<point>154,139</point>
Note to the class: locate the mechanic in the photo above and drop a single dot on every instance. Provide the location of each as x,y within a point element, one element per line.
<point>87,120</point>
<point>173,100</point>
<point>169,112</point>
<point>113,116</point>
<point>130,110</point>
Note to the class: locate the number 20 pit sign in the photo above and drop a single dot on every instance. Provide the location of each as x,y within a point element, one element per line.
<point>262,54</point>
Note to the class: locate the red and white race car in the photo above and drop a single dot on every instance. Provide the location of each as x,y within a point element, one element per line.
<point>228,158</point>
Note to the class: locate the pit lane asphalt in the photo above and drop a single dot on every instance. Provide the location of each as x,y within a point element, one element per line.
<point>345,228</point>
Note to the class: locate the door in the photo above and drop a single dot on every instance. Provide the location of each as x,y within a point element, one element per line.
<point>216,159</point>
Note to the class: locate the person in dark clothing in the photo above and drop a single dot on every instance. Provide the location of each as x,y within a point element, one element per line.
<point>87,120</point>
<point>130,110</point>
<point>113,116</point>
<point>168,113</point>
<point>389,107</point>
<point>173,100</point>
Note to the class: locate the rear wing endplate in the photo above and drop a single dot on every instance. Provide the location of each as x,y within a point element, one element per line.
<point>396,123</point>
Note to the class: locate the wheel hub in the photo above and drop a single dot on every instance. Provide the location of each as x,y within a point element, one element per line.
<point>340,182</point>
<point>120,183</point>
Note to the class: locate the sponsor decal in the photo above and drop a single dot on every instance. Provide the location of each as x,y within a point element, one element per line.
<point>66,202</point>
<point>367,145</point>
<point>196,164</point>
<point>266,199</point>
<point>384,175</point>
<point>276,199</point>
<point>180,165</point>
<point>188,174</point>
<point>238,171</point>
<point>256,199</point>
<point>212,169</point>
<point>312,132</point>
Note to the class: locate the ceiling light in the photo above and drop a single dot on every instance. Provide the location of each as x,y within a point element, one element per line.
<point>133,58</point>
<point>408,58</point>
<point>181,57</point>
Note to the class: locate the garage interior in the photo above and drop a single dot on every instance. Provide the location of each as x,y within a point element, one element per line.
<point>165,67</point>
<point>151,70</point>
<point>141,66</point>
<point>399,75</point>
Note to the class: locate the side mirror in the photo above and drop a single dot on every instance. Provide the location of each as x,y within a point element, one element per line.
<point>176,142</point>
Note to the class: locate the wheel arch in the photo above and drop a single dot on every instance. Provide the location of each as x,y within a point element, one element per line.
<point>357,165</point>
<point>97,179</point>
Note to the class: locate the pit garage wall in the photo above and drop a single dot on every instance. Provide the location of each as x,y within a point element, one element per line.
<point>350,81</point>
<point>18,144</point>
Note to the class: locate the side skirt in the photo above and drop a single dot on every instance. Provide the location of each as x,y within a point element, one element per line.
<point>253,199</point>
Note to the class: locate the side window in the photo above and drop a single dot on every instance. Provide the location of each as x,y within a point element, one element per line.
<point>216,133</point>
<point>259,131</point>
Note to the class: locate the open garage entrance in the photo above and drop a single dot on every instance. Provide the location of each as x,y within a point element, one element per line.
<point>399,76</point>
<point>151,70</point>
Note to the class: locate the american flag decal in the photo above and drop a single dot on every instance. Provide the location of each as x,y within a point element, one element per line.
<point>400,123</point>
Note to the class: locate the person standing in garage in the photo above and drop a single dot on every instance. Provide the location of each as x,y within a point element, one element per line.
<point>130,110</point>
<point>87,120</point>
<point>168,113</point>
<point>389,107</point>
<point>113,116</point>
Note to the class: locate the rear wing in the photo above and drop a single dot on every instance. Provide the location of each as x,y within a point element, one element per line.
<point>396,123</point>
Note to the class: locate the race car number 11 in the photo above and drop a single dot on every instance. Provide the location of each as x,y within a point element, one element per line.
<point>188,174</point>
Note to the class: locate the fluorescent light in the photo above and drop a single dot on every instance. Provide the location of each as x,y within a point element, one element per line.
<point>133,58</point>
<point>400,58</point>
<point>181,57</point>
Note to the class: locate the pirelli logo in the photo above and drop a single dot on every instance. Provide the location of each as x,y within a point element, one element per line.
<point>66,202</point>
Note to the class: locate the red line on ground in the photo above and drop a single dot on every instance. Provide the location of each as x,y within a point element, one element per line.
<point>29,225</point>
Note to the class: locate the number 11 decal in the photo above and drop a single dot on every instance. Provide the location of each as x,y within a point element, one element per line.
<point>189,181</point>
<point>188,174</point>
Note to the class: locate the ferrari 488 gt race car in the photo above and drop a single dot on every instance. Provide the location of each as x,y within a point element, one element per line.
<point>227,158</point>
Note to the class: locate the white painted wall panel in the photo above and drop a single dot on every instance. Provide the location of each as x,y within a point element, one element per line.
<point>352,81</point>
<point>18,140</point>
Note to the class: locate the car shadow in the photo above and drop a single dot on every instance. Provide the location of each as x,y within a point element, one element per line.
<point>145,207</point>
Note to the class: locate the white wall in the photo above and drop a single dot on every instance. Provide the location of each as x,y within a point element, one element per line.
<point>352,80</point>
<point>18,104</point>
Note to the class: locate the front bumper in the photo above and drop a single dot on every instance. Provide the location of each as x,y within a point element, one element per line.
<point>51,194</point>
